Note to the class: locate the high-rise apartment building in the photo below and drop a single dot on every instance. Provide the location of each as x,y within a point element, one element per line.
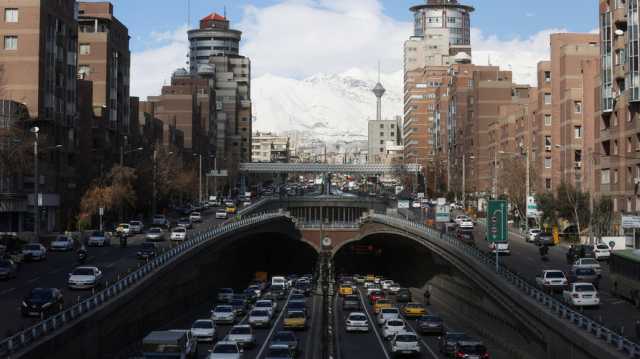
<point>214,37</point>
<point>381,134</point>
<point>38,59</point>
<point>618,139</point>
<point>268,147</point>
<point>104,59</point>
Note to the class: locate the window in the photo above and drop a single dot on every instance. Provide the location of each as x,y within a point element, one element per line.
<point>84,70</point>
<point>604,176</point>
<point>10,15</point>
<point>577,131</point>
<point>547,76</point>
<point>577,106</point>
<point>629,144</point>
<point>85,49</point>
<point>547,183</point>
<point>392,134</point>
<point>381,126</point>
<point>381,150</point>
<point>547,143</point>
<point>547,163</point>
<point>382,142</point>
<point>381,134</point>
<point>615,176</point>
<point>393,126</point>
<point>615,205</point>
<point>547,99</point>
<point>10,42</point>
<point>615,147</point>
<point>628,204</point>
<point>547,120</point>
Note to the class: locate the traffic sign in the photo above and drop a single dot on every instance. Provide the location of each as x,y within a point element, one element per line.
<point>404,204</point>
<point>532,207</point>
<point>218,173</point>
<point>497,230</point>
<point>442,214</point>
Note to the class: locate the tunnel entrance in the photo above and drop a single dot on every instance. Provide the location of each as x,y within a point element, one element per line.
<point>392,256</point>
<point>274,253</point>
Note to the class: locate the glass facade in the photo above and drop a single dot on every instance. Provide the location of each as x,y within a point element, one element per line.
<point>606,34</point>
<point>457,20</point>
<point>633,75</point>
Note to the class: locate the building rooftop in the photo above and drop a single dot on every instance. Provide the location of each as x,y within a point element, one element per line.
<point>441,4</point>
<point>214,16</point>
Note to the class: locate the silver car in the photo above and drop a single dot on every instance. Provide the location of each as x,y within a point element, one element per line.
<point>243,335</point>
<point>62,243</point>
<point>260,318</point>
<point>155,234</point>
<point>98,238</point>
<point>223,314</point>
<point>34,251</point>
<point>226,350</point>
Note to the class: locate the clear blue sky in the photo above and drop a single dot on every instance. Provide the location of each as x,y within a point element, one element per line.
<point>504,18</point>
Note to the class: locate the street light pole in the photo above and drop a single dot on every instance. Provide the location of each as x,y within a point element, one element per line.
<point>155,173</point>
<point>464,182</point>
<point>36,181</point>
<point>200,179</point>
<point>495,175</point>
<point>527,193</point>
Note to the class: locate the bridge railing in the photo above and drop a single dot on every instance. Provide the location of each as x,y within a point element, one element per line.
<point>328,225</point>
<point>582,322</point>
<point>29,336</point>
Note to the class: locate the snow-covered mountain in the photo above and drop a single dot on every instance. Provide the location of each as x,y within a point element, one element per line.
<point>330,107</point>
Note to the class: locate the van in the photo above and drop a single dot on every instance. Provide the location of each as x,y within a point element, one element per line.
<point>176,344</point>
<point>279,280</point>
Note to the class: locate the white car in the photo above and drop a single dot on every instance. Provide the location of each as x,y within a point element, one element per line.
<point>356,322</point>
<point>204,330</point>
<point>501,247</point>
<point>195,217</point>
<point>34,251</point>
<point>62,243</point>
<point>587,263</point>
<point>221,213</point>
<point>388,314</point>
<point>160,220</point>
<point>416,204</point>
<point>226,350</point>
<point>532,234</point>
<point>394,288</point>
<point>392,327</point>
<point>602,251</point>
<point>223,314</point>
<point>179,234</point>
<point>266,304</point>
<point>405,343</point>
<point>386,284</point>
<point>260,318</point>
<point>466,224</point>
<point>84,278</point>
<point>461,218</point>
<point>581,294</point>
<point>136,226</point>
<point>243,335</point>
<point>155,234</point>
<point>98,238</point>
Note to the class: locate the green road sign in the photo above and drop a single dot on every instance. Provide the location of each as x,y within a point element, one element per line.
<point>497,230</point>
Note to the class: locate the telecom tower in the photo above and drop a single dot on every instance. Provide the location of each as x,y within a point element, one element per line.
<point>379,91</point>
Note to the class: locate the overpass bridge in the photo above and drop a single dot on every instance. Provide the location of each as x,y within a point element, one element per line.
<point>505,307</point>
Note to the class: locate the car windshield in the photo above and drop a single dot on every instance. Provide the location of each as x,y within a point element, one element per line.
<point>295,315</point>
<point>407,338</point>
<point>474,349</point>
<point>195,214</point>
<point>237,302</point>
<point>203,324</point>
<point>555,275</point>
<point>297,304</point>
<point>148,246</point>
<point>225,349</point>
<point>603,246</point>
<point>351,298</point>
<point>98,234</point>
<point>389,311</point>
<point>155,230</point>
<point>455,336</point>
<point>158,217</point>
<point>414,306</point>
<point>395,323</point>
<point>357,317</point>
<point>224,309</point>
<point>585,271</point>
<point>284,337</point>
<point>240,330</point>
<point>40,293</point>
<point>585,288</point>
<point>259,313</point>
<point>179,230</point>
<point>63,239</point>
<point>383,302</point>
<point>588,261</point>
<point>32,247</point>
<point>431,319</point>
<point>82,271</point>
<point>135,223</point>
<point>184,220</point>
<point>264,304</point>
<point>226,291</point>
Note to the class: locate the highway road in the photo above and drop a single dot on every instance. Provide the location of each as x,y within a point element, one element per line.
<point>616,313</point>
<point>112,260</point>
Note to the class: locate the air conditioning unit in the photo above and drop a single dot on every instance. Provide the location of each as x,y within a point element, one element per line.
<point>578,164</point>
<point>547,148</point>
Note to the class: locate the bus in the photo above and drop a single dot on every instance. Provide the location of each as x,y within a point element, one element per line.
<point>624,268</point>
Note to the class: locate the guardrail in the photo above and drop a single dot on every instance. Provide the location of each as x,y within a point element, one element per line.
<point>327,225</point>
<point>582,322</point>
<point>30,335</point>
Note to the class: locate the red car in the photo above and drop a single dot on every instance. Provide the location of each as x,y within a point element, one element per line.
<point>375,295</point>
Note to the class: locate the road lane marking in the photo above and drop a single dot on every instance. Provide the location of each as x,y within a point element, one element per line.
<point>274,326</point>
<point>373,325</point>
<point>33,280</point>
<point>7,291</point>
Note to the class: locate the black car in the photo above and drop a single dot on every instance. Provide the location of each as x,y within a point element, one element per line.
<point>148,250</point>
<point>584,275</point>
<point>577,251</point>
<point>239,306</point>
<point>465,236</point>
<point>449,342</point>
<point>251,295</point>
<point>544,239</point>
<point>8,269</point>
<point>41,301</point>
<point>295,305</point>
<point>471,348</point>
<point>430,324</point>
<point>403,295</point>
<point>351,302</point>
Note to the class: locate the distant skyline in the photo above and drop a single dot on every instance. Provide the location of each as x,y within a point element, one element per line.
<point>300,38</point>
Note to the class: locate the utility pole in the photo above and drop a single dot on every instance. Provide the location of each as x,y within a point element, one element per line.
<point>155,174</point>
<point>200,179</point>
<point>36,181</point>
<point>464,182</point>
<point>527,193</point>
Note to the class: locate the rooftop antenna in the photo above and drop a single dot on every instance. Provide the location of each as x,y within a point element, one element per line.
<point>225,12</point>
<point>378,70</point>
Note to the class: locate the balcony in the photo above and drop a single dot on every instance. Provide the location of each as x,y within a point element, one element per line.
<point>619,72</point>
<point>620,17</point>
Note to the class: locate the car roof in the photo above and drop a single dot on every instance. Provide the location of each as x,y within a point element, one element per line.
<point>356,313</point>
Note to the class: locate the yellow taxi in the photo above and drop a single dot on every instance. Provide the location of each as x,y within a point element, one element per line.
<point>231,209</point>
<point>295,319</point>
<point>382,303</point>
<point>369,278</point>
<point>346,289</point>
<point>413,310</point>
